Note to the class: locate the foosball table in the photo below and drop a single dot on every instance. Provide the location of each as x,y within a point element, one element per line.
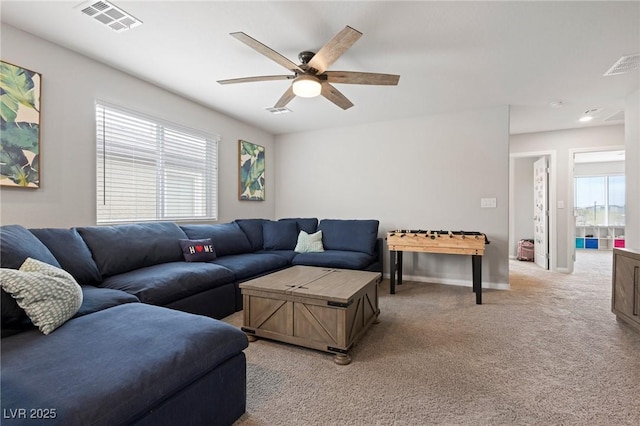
<point>447,242</point>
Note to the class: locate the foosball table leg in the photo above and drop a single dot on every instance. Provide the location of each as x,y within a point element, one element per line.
<point>395,266</point>
<point>476,266</point>
<point>392,271</point>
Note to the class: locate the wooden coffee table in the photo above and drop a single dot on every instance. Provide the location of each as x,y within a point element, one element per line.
<point>319,308</point>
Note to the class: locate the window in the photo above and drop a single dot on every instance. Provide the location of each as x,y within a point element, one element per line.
<point>599,200</point>
<point>149,170</point>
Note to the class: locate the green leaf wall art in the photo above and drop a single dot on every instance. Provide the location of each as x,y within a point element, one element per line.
<point>251,175</point>
<point>19,126</point>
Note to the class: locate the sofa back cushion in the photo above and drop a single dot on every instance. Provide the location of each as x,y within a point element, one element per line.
<point>349,235</point>
<point>306,224</point>
<point>122,248</point>
<point>71,252</point>
<point>253,230</point>
<point>280,235</point>
<point>227,238</point>
<point>17,243</point>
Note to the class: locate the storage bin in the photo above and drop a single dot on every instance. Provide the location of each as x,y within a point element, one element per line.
<point>591,243</point>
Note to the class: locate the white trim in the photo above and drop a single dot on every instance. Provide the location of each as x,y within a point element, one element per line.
<point>445,281</point>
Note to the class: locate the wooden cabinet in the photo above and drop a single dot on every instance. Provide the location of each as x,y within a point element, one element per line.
<point>625,298</point>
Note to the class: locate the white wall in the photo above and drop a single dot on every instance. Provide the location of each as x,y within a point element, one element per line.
<point>71,83</point>
<point>564,143</point>
<point>599,168</point>
<point>632,173</point>
<point>419,173</point>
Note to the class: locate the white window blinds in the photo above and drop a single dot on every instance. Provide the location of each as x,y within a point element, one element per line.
<point>150,170</point>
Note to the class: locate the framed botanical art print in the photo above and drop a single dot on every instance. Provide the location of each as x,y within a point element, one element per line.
<point>20,126</point>
<point>251,174</point>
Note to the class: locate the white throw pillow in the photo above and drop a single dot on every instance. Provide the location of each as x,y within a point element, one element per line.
<point>49,295</point>
<point>309,243</point>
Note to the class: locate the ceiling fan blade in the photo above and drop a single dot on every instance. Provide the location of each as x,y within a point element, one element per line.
<point>258,78</point>
<point>286,98</point>
<point>334,48</point>
<point>266,51</point>
<point>352,77</point>
<point>334,95</point>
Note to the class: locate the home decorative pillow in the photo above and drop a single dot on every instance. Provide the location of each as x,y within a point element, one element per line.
<point>198,250</point>
<point>309,243</point>
<point>49,295</point>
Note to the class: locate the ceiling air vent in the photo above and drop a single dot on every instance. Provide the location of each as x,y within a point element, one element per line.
<point>110,15</point>
<point>625,64</point>
<point>278,110</point>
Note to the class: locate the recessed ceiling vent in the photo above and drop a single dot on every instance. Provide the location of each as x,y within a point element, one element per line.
<point>110,15</point>
<point>278,110</point>
<point>624,65</point>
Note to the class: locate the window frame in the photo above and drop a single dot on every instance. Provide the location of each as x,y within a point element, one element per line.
<point>162,161</point>
<point>606,195</point>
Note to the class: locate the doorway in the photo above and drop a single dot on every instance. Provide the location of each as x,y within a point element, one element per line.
<point>524,220</point>
<point>598,186</point>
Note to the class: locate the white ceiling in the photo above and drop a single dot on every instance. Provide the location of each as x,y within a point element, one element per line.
<point>451,56</point>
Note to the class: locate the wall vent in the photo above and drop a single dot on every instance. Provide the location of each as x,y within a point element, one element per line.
<point>624,65</point>
<point>110,15</point>
<point>618,116</point>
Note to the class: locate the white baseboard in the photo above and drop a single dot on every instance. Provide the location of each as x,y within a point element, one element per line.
<point>460,283</point>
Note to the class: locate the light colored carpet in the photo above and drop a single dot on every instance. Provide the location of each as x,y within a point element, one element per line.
<point>548,351</point>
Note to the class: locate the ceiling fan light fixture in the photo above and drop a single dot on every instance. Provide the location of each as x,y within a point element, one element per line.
<point>307,86</point>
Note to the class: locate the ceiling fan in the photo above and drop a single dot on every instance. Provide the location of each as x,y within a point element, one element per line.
<point>311,77</point>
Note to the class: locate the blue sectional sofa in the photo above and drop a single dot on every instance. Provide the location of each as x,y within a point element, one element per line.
<point>134,353</point>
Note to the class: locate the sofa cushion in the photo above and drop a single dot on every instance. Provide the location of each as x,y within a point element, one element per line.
<point>288,255</point>
<point>12,313</point>
<point>198,250</point>
<point>96,299</point>
<point>335,259</point>
<point>227,238</point>
<point>49,295</point>
<point>253,230</point>
<point>281,235</point>
<point>122,248</point>
<point>249,265</point>
<point>349,235</point>
<point>309,243</point>
<point>130,359</point>
<point>17,243</point>
<point>168,282</point>
<point>306,224</point>
<point>72,253</point>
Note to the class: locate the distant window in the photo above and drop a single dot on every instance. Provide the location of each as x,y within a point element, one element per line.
<point>148,169</point>
<point>599,200</point>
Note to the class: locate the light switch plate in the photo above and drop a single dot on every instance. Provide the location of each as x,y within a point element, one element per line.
<point>488,203</point>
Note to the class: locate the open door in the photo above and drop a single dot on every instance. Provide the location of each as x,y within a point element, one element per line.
<point>541,212</point>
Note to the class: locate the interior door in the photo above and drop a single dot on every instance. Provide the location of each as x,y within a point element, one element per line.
<point>541,212</point>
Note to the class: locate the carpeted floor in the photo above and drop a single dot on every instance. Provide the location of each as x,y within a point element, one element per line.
<point>547,352</point>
